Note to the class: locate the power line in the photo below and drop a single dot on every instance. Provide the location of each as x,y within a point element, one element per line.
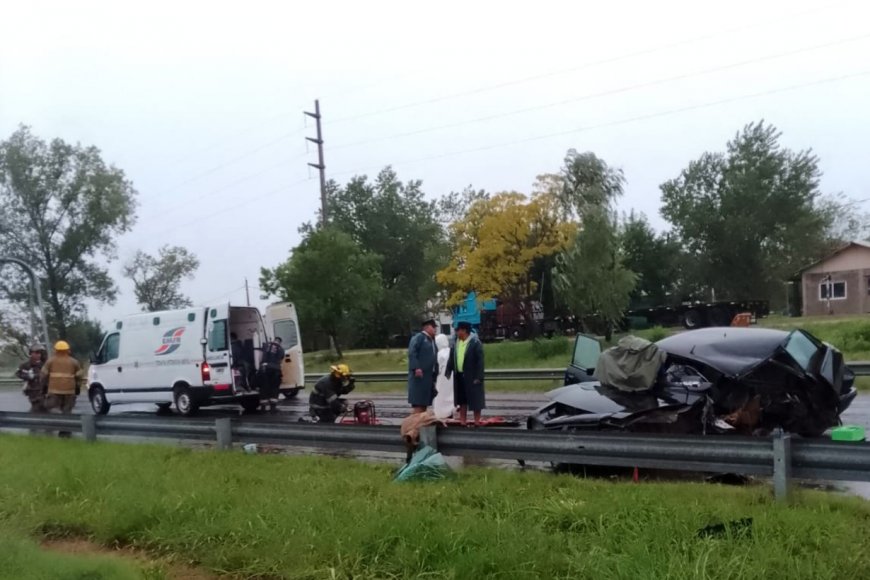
<point>282,163</point>
<point>608,92</point>
<point>227,163</point>
<point>537,77</point>
<point>246,202</point>
<point>621,121</point>
<point>281,116</point>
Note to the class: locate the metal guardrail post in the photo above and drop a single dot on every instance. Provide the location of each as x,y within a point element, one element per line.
<point>89,427</point>
<point>781,465</point>
<point>429,436</point>
<point>224,429</point>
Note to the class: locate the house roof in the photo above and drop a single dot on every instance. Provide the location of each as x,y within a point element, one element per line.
<point>839,250</point>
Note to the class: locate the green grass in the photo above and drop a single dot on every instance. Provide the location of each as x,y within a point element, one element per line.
<point>314,517</point>
<point>23,559</point>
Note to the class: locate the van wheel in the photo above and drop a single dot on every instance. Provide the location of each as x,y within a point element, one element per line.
<point>290,393</point>
<point>98,400</point>
<point>250,404</point>
<point>184,402</point>
<point>163,408</point>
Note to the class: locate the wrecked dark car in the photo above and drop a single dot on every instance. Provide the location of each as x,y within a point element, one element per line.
<point>712,380</point>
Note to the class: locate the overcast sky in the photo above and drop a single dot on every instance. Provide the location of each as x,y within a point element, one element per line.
<point>200,103</point>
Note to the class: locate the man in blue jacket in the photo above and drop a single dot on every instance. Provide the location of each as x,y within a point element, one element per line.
<point>422,367</point>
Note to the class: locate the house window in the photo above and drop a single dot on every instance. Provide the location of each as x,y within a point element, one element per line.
<point>837,290</point>
<point>868,285</point>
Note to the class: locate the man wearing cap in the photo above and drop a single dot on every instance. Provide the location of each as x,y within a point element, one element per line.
<point>62,376</point>
<point>29,372</point>
<point>422,367</point>
<point>466,366</point>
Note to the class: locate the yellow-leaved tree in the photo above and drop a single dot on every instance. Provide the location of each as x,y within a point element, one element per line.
<point>496,243</point>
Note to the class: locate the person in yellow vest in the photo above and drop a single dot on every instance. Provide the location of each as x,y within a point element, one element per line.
<point>62,377</point>
<point>466,367</point>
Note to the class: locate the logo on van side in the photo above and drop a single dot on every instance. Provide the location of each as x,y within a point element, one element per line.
<point>171,341</point>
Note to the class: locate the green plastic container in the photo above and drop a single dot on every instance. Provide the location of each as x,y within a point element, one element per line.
<point>848,433</point>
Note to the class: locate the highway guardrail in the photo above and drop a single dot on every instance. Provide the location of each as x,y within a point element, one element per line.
<point>782,456</point>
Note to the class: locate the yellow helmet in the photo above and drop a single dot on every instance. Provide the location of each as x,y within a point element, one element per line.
<point>61,346</point>
<point>342,371</point>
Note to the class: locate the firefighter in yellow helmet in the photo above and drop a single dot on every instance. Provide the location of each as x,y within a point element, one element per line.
<point>325,402</point>
<point>62,378</point>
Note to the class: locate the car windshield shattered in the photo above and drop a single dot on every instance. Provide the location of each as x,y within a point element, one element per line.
<point>713,380</point>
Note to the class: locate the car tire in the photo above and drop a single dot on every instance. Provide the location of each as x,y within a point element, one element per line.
<point>184,402</point>
<point>693,319</point>
<point>290,393</point>
<point>97,396</point>
<point>250,404</point>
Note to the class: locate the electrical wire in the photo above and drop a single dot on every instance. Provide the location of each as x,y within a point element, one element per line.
<point>573,69</point>
<point>625,121</point>
<point>609,92</point>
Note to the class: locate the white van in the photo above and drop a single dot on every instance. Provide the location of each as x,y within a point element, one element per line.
<point>185,357</point>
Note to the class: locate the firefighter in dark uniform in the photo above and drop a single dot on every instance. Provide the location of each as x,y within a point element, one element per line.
<point>29,372</point>
<point>270,374</point>
<point>325,403</point>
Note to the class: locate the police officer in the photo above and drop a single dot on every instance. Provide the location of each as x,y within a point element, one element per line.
<point>270,374</point>
<point>324,403</point>
<point>29,372</point>
<point>62,376</point>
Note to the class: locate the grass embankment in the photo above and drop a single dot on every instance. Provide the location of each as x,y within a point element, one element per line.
<point>316,517</point>
<point>23,559</point>
<point>849,334</point>
<point>530,354</point>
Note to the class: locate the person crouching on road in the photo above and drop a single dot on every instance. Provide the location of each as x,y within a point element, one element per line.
<point>466,366</point>
<point>422,367</point>
<point>30,372</point>
<point>62,377</point>
<point>324,403</point>
<point>270,369</point>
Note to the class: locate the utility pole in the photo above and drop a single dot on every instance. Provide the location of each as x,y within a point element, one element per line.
<point>247,294</point>
<point>319,165</point>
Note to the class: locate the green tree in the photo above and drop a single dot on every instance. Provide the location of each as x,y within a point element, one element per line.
<point>393,219</point>
<point>589,277</point>
<point>157,280</point>
<point>750,217</point>
<point>61,210</point>
<point>333,282</point>
<point>655,258</point>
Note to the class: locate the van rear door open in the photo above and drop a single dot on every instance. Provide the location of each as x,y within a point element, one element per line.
<point>281,321</point>
<point>217,349</point>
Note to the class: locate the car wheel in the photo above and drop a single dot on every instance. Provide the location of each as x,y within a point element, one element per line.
<point>250,404</point>
<point>163,407</point>
<point>693,319</point>
<point>290,393</point>
<point>98,400</point>
<point>184,403</point>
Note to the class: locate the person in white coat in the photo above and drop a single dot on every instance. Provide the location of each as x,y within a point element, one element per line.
<point>443,403</point>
